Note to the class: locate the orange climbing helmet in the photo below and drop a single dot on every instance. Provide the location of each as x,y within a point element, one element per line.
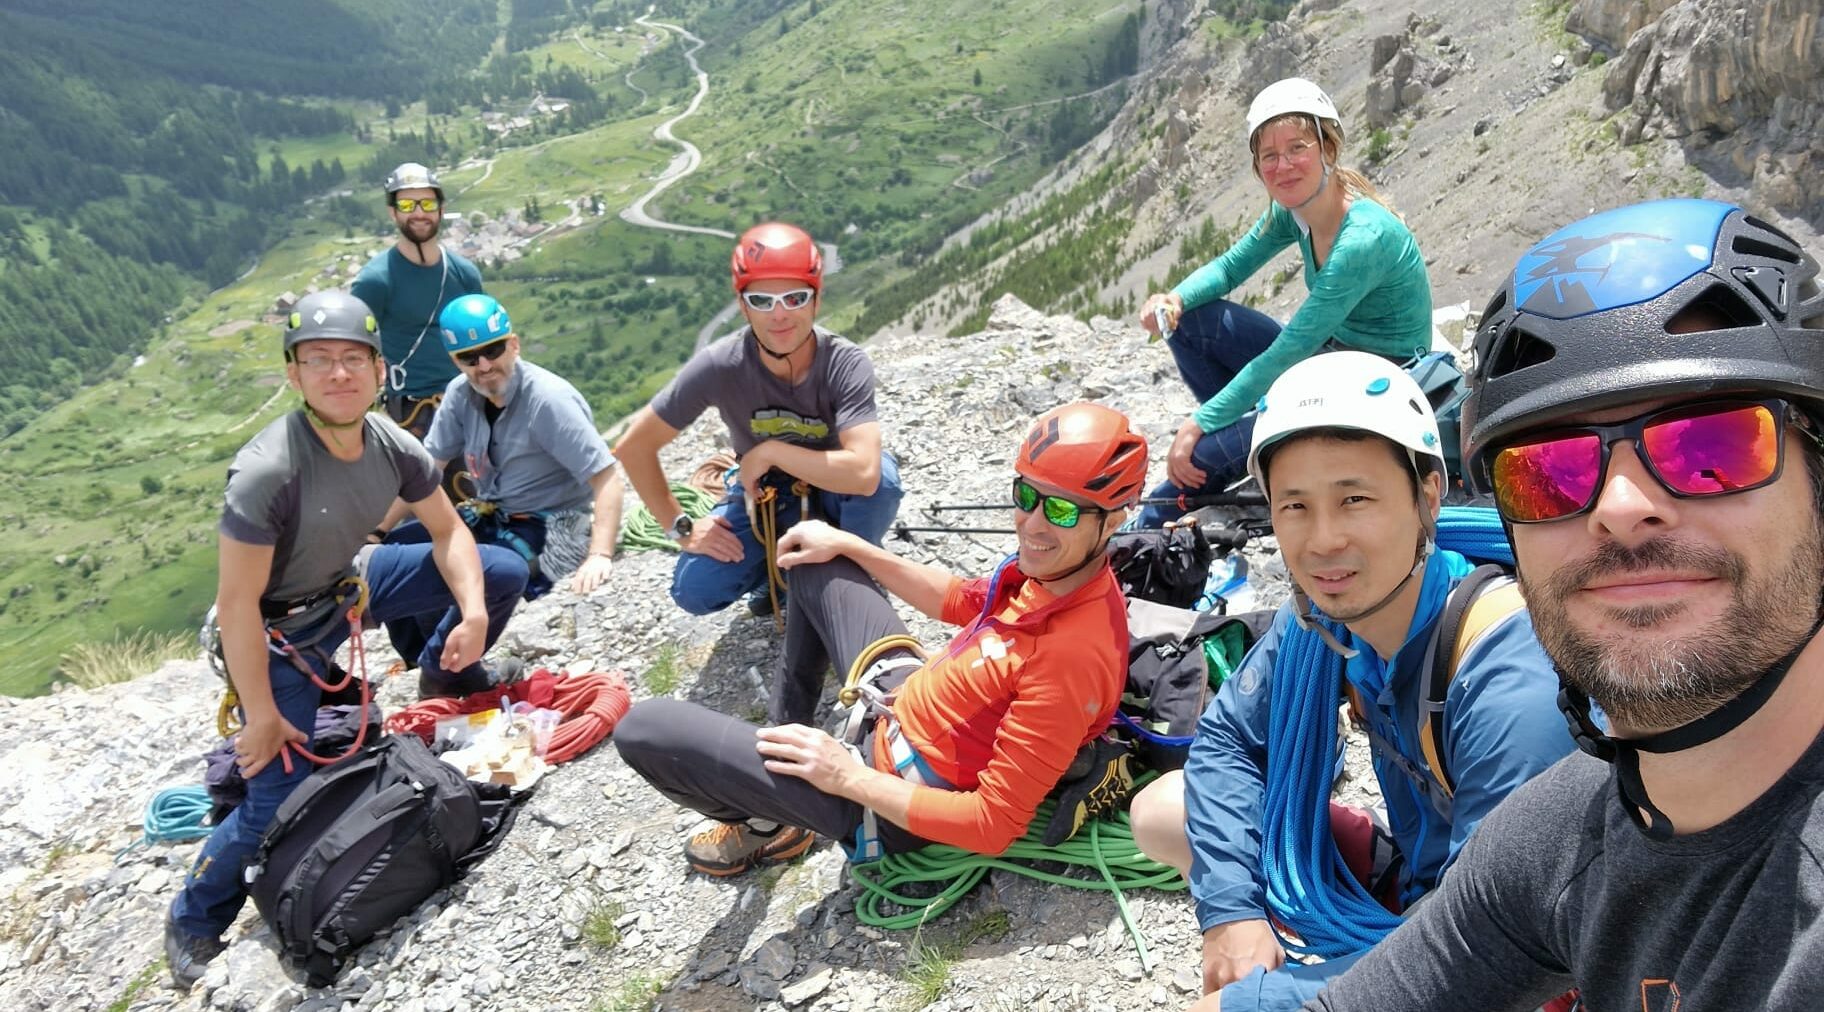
<point>776,250</point>
<point>1087,450</point>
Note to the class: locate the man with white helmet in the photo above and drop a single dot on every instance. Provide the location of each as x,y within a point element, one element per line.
<point>407,285</point>
<point>1362,267</point>
<point>1347,449</point>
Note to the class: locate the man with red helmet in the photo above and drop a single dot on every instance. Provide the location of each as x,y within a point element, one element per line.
<point>958,748</point>
<point>799,405</point>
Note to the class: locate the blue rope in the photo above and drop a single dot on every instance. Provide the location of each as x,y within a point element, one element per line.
<point>1308,887</point>
<point>175,815</point>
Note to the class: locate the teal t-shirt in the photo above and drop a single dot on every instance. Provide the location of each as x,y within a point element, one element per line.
<point>406,300</point>
<point>1372,294</point>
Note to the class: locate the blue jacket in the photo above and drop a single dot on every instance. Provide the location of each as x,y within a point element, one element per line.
<point>1501,726</point>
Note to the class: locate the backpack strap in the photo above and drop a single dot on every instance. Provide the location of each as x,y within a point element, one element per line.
<point>1484,598</point>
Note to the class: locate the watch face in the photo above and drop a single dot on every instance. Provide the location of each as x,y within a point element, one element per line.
<point>681,526</point>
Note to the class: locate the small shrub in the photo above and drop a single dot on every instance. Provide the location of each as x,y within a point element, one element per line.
<point>599,925</point>
<point>1380,142</point>
<point>122,659</point>
<point>663,676</point>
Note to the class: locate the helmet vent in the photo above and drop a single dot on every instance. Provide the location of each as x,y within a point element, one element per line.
<point>1720,307</point>
<point>1748,245</point>
<point>1517,350</point>
<point>1765,226</point>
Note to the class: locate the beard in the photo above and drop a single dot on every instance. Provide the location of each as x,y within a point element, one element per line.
<point>1657,675</point>
<point>420,231</point>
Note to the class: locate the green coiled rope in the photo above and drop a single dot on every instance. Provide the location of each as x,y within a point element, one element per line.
<point>642,532</point>
<point>1105,844</point>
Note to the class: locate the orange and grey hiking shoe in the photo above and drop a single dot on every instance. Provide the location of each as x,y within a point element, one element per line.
<point>733,847</point>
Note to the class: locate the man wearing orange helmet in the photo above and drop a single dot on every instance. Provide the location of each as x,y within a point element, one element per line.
<point>799,405</point>
<point>958,748</point>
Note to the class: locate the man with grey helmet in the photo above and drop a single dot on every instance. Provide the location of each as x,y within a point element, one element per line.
<point>407,285</point>
<point>300,496</point>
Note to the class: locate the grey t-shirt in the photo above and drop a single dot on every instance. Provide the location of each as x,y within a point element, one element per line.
<point>1558,888</point>
<point>285,489</point>
<point>537,456</point>
<point>729,376</point>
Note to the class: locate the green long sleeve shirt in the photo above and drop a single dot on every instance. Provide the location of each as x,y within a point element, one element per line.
<point>1372,294</point>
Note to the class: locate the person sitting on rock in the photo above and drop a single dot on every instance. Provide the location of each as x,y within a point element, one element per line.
<point>300,494</point>
<point>961,747</point>
<point>541,478</point>
<point>1366,277</point>
<point>799,405</point>
<point>1346,448</point>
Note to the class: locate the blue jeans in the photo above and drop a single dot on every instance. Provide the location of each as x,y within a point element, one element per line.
<point>1286,989</point>
<point>702,585</point>
<point>402,581</point>
<point>410,633</point>
<point>1212,344</point>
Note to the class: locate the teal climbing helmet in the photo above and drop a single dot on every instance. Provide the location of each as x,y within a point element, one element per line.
<point>472,321</point>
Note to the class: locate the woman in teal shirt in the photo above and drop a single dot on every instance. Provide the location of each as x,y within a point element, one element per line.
<point>1366,278</point>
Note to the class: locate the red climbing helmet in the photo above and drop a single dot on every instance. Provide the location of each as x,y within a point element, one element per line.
<point>1087,450</point>
<point>776,250</point>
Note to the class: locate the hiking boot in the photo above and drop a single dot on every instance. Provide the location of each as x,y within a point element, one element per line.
<point>487,675</point>
<point>760,603</point>
<point>733,847</point>
<point>188,955</point>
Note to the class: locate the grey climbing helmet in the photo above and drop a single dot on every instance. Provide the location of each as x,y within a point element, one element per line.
<point>331,316</point>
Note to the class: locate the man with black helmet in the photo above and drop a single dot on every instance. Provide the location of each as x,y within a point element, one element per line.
<point>1649,383</point>
<point>407,285</point>
<point>300,496</point>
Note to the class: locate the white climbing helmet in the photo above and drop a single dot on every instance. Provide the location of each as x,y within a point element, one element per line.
<point>1292,95</point>
<point>1346,390</point>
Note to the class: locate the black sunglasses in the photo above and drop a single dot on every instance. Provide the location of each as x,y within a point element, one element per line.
<point>489,352</point>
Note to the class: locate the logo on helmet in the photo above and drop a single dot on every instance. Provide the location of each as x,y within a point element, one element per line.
<point>1038,442</point>
<point>497,322</point>
<point>319,317</point>
<point>1561,284</point>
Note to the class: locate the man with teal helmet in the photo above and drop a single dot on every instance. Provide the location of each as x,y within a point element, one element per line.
<point>407,286</point>
<point>538,475</point>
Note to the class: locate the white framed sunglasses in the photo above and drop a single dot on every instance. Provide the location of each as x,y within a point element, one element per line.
<point>763,302</point>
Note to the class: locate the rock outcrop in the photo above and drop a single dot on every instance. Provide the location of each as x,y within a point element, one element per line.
<point>1738,85</point>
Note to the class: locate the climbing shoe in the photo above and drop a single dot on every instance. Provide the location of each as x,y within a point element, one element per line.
<point>1099,780</point>
<point>188,955</point>
<point>476,678</point>
<point>733,847</point>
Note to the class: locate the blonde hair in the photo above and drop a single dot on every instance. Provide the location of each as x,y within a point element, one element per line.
<point>1329,135</point>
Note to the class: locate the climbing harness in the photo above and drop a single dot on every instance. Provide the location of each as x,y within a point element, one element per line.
<point>230,720</point>
<point>412,407</point>
<point>870,706</point>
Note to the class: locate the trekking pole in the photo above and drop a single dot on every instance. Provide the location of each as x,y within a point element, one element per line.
<point>1218,537</point>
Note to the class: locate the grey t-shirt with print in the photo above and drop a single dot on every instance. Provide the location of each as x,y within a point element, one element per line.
<point>1559,888</point>
<point>285,489</point>
<point>837,393</point>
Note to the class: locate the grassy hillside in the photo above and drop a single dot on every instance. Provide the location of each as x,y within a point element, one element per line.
<point>889,127</point>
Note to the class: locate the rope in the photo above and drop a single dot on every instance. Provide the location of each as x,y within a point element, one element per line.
<point>420,403</point>
<point>1309,889</point>
<point>768,524</point>
<point>850,693</point>
<point>175,815</point>
<point>1105,845</point>
<point>592,705</point>
<point>642,532</point>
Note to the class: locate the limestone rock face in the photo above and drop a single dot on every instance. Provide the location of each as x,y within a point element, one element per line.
<point>1739,84</point>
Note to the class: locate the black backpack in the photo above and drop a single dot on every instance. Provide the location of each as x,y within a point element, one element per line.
<point>363,842</point>
<point>1167,566</point>
<point>1171,676</point>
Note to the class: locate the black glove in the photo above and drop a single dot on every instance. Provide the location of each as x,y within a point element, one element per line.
<point>1099,781</point>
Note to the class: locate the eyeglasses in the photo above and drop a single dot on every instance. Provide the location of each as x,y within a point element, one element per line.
<point>406,205</point>
<point>487,351</point>
<point>762,302</point>
<point>1297,151</point>
<point>1059,512</point>
<point>1692,450</point>
<point>353,361</point>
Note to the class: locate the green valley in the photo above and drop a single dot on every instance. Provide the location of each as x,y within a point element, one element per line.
<point>867,122</point>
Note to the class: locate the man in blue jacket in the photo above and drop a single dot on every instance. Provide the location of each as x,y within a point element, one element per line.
<point>1347,449</point>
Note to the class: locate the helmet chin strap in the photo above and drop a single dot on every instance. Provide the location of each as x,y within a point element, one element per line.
<point>335,429</point>
<point>1323,183</point>
<point>1094,556</point>
<point>783,355</point>
<point>1306,614</point>
<point>1624,753</point>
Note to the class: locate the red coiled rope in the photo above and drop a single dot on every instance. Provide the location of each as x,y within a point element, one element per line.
<point>592,705</point>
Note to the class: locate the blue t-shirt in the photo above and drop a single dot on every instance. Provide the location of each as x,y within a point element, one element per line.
<point>537,456</point>
<point>406,300</point>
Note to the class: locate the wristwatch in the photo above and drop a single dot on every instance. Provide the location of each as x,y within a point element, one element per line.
<point>680,528</point>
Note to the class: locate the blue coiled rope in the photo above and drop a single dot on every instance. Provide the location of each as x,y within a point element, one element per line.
<point>175,815</point>
<point>1308,887</point>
